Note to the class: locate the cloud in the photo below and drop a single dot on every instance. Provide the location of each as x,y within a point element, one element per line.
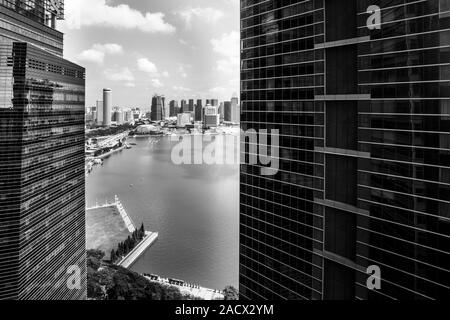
<point>165,74</point>
<point>181,89</point>
<point>97,52</point>
<point>130,85</point>
<point>87,13</point>
<point>227,46</point>
<point>209,15</point>
<point>122,74</point>
<point>147,66</point>
<point>156,83</point>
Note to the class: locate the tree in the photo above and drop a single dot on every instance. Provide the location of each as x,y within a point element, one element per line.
<point>230,293</point>
<point>113,255</point>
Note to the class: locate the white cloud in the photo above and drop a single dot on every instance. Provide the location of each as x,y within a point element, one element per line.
<point>227,46</point>
<point>97,52</point>
<point>86,13</point>
<point>122,74</point>
<point>147,66</point>
<point>165,74</point>
<point>156,83</point>
<point>130,85</point>
<point>181,89</point>
<point>209,15</point>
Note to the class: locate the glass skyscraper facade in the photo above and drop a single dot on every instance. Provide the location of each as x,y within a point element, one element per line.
<point>362,109</point>
<point>42,179</point>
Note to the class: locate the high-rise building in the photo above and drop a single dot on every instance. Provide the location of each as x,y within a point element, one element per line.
<point>227,111</point>
<point>107,107</point>
<point>158,108</point>
<point>174,109</point>
<point>362,104</point>
<point>100,111</point>
<point>235,110</point>
<point>42,180</point>
<point>222,111</point>
<point>211,118</point>
<point>215,102</point>
<point>198,110</point>
<point>184,107</point>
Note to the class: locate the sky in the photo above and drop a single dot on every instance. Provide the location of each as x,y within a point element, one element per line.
<point>138,48</point>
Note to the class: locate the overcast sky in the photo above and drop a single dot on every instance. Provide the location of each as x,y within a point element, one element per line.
<point>182,49</point>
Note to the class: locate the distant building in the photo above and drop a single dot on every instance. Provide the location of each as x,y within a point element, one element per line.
<point>235,110</point>
<point>128,115</point>
<point>211,118</point>
<point>183,119</point>
<point>221,112</point>
<point>107,107</point>
<point>118,116</point>
<point>99,115</point>
<point>198,111</point>
<point>215,102</point>
<point>191,105</point>
<point>184,107</point>
<point>158,108</point>
<point>227,111</point>
<point>174,110</point>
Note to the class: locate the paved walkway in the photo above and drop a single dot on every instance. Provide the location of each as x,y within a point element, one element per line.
<point>150,238</point>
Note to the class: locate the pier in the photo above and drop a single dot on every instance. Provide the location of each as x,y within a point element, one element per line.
<point>130,258</point>
<point>108,225</point>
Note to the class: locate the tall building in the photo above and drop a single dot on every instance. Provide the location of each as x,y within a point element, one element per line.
<point>363,113</point>
<point>158,108</point>
<point>42,180</point>
<point>211,118</point>
<point>235,110</point>
<point>198,110</point>
<point>227,111</point>
<point>184,107</point>
<point>107,107</point>
<point>174,109</point>
<point>100,112</point>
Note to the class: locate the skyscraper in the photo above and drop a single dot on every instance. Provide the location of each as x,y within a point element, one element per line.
<point>360,94</point>
<point>107,107</point>
<point>174,109</point>
<point>184,107</point>
<point>235,110</point>
<point>227,111</point>
<point>158,108</point>
<point>198,110</point>
<point>100,111</point>
<point>42,180</point>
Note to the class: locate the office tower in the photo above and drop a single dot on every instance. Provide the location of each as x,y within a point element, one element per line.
<point>227,111</point>
<point>222,111</point>
<point>211,118</point>
<point>158,108</point>
<point>174,109</point>
<point>42,180</point>
<point>183,106</point>
<point>191,105</point>
<point>363,115</point>
<point>198,110</point>
<point>215,103</point>
<point>235,110</point>
<point>107,107</point>
<point>99,118</point>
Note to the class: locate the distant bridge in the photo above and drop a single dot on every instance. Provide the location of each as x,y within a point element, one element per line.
<point>110,142</point>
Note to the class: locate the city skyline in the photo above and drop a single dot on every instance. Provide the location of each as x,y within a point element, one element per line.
<point>166,46</point>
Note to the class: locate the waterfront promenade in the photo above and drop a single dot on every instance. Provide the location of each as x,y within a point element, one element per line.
<point>130,258</point>
<point>105,232</point>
